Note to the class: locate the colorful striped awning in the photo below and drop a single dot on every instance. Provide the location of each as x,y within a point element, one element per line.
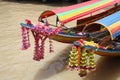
<point>114,29</point>
<point>67,14</point>
<point>111,23</point>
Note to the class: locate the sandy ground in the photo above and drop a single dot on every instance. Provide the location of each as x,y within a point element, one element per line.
<point>18,65</point>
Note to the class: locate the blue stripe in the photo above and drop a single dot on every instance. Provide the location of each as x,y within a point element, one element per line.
<point>116,34</point>
<point>109,20</point>
<point>27,25</point>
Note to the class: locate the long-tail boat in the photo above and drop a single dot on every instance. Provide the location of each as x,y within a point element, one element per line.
<point>112,42</point>
<point>101,37</point>
<point>84,13</point>
<point>44,29</point>
<point>84,34</point>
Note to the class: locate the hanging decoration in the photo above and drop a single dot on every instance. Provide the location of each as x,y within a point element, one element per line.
<point>92,66</point>
<point>84,63</point>
<point>40,33</point>
<point>51,46</point>
<point>25,34</point>
<point>81,58</point>
<point>73,59</point>
<point>25,38</point>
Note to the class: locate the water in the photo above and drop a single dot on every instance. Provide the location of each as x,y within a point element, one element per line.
<point>18,65</point>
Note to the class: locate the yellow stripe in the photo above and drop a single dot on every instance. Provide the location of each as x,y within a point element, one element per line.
<point>112,27</point>
<point>80,12</point>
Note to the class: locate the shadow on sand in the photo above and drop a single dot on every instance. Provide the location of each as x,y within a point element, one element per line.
<point>54,66</point>
<point>108,68</point>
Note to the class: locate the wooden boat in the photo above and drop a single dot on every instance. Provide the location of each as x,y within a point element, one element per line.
<point>102,52</point>
<point>112,24</point>
<point>70,13</point>
<point>69,36</point>
<point>102,37</point>
<point>44,29</point>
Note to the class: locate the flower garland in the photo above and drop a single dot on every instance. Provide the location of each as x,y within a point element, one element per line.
<point>81,58</point>
<point>25,38</point>
<point>40,33</point>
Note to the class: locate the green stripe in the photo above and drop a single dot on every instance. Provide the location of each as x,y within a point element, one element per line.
<point>79,9</point>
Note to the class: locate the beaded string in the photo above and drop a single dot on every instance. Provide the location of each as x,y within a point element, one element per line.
<point>39,46</point>
<point>25,38</point>
<point>42,47</point>
<point>37,54</point>
<point>84,63</point>
<point>50,46</point>
<point>86,59</point>
<point>40,33</point>
<point>92,66</point>
<point>73,59</point>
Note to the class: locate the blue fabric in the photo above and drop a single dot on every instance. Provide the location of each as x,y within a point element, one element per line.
<point>116,34</point>
<point>27,25</point>
<point>107,21</point>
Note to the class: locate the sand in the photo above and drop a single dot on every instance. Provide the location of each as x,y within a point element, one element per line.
<point>19,65</point>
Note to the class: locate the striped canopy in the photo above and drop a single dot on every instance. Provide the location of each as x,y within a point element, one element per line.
<point>67,14</point>
<point>111,23</point>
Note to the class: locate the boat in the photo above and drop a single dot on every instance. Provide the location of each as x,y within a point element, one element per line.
<point>84,13</point>
<point>111,42</point>
<point>68,35</point>
<point>101,37</point>
<point>97,33</point>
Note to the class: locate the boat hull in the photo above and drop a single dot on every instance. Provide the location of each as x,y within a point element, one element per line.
<point>104,52</point>
<point>65,38</point>
<point>107,53</point>
<point>81,23</point>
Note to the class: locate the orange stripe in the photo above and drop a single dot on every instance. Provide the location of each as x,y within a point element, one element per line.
<point>115,29</point>
<point>79,56</point>
<point>83,11</point>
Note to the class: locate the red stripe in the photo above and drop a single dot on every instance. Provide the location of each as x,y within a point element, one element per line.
<point>88,12</point>
<point>65,9</point>
<point>115,29</point>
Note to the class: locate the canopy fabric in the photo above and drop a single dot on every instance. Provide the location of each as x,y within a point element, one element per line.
<point>115,29</point>
<point>112,23</point>
<point>109,20</point>
<point>67,14</point>
<point>65,9</point>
